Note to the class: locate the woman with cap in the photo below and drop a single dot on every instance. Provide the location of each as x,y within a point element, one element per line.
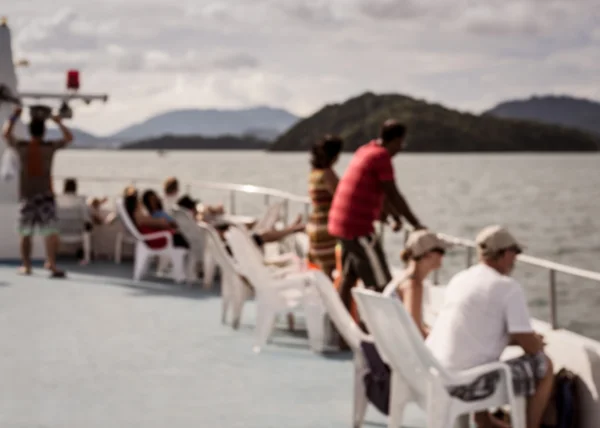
<point>422,254</point>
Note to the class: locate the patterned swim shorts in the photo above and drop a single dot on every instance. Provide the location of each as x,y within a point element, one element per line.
<point>526,371</point>
<point>38,210</point>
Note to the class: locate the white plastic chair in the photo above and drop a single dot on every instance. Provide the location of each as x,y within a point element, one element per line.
<point>275,296</point>
<point>268,220</point>
<point>234,291</point>
<point>353,336</point>
<point>282,263</point>
<point>122,237</point>
<point>73,214</point>
<point>143,252</point>
<point>417,375</point>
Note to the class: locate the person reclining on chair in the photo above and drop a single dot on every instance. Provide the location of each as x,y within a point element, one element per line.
<point>171,199</point>
<point>485,310</point>
<point>147,224</point>
<point>154,206</point>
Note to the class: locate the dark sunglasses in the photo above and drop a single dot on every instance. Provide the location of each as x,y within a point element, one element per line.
<point>439,250</point>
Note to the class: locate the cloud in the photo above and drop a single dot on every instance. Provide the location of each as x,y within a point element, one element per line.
<point>300,54</point>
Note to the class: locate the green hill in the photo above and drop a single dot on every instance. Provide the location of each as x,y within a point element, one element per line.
<point>431,128</point>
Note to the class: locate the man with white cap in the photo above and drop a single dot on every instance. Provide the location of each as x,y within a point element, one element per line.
<point>485,310</point>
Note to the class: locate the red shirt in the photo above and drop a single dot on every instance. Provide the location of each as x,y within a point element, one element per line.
<point>359,196</point>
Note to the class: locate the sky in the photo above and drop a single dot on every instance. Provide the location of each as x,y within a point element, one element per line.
<point>152,56</point>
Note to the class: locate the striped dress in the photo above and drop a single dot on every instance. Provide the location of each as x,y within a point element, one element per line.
<point>322,245</point>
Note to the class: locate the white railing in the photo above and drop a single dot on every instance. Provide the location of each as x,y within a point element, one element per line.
<point>268,193</point>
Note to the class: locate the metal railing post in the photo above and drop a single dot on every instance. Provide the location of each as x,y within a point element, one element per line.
<point>232,202</point>
<point>306,211</point>
<point>469,256</point>
<point>552,299</point>
<point>286,212</point>
<point>267,200</point>
<point>436,277</point>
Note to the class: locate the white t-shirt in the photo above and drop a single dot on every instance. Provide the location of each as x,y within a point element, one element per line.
<point>481,309</point>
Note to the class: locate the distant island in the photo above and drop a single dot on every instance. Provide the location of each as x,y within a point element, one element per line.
<point>262,123</point>
<point>196,142</point>
<point>432,128</point>
<point>576,113</point>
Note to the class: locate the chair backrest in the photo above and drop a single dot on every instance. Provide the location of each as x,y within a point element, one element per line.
<point>72,213</point>
<point>245,255</point>
<point>302,244</point>
<point>127,221</point>
<point>268,221</point>
<point>338,313</point>
<point>218,246</point>
<point>256,252</point>
<point>188,226</point>
<point>397,338</point>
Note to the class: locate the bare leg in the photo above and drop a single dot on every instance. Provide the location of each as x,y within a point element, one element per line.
<point>26,254</point>
<point>52,242</point>
<point>276,235</point>
<point>536,404</point>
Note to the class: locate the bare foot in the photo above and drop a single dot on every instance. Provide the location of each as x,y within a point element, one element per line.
<point>24,270</point>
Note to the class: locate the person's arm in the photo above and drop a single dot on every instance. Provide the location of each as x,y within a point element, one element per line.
<point>518,321</point>
<point>398,204</point>
<point>412,298</point>
<point>388,212</point>
<point>67,136</point>
<point>331,180</point>
<point>9,127</point>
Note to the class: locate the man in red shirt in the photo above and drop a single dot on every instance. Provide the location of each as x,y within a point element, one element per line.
<point>359,201</point>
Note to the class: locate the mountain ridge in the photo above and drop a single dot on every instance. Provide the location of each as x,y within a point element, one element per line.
<point>432,127</point>
<point>573,112</point>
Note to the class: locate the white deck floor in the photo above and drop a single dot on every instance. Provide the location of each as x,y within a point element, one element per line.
<point>100,351</point>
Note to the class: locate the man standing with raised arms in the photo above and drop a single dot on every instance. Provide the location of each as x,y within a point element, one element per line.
<point>37,203</point>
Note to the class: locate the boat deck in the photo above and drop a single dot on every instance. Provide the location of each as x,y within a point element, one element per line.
<point>98,350</point>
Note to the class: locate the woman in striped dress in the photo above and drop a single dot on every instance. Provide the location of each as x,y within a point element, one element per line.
<point>322,184</point>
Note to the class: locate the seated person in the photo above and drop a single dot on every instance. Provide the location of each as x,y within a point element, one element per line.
<point>147,224</point>
<point>262,238</point>
<point>70,191</point>
<point>171,190</point>
<point>484,311</point>
<point>94,205</point>
<point>155,208</point>
<point>422,254</point>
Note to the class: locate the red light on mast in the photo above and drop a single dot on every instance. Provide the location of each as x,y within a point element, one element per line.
<point>73,80</point>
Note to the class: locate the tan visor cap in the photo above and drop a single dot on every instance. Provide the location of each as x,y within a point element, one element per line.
<point>421,242</point>
<point>496,238</point>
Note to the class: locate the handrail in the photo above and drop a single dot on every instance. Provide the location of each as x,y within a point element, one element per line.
<point>233,188</point>
<point>534,261</point>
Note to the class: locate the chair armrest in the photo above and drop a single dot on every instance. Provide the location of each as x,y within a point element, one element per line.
<point>158,235</point>
<point>293,281</point>
<point>281,259</point>
<point>285,271</point>
<point>467,376</point>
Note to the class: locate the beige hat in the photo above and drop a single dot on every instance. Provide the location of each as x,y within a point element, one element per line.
<point>422,241</point>
<point>496,238</point>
